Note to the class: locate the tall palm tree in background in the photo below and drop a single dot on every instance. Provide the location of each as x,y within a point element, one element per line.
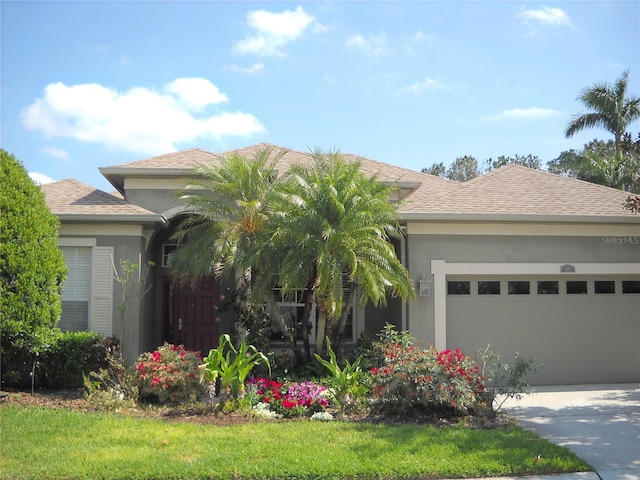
<point>613,111</point>
<point>333,226</point>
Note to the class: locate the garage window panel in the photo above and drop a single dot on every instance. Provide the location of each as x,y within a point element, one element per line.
<point>491,287</point>
<point>459,288</point>
<point>519,287</point>
<point>604,286</point>
<point>631,286</point>
<point>548,287</point>
<point>576,287</point>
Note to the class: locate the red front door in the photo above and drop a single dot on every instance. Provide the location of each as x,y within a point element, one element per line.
<point>195,320</point>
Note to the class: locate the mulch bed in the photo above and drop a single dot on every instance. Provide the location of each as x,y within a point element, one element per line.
<point>75,400</point>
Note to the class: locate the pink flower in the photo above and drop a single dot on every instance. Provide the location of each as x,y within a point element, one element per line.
<point>157,356</point>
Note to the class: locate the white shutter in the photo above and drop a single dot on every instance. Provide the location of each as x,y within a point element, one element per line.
<point>100,320</point>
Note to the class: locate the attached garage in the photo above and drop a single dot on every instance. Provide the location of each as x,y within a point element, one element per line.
<point>583,328</point>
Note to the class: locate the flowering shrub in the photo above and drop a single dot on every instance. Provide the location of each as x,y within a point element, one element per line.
<point>413,377</point>
<point>168,375</point>
<point>291,399</point>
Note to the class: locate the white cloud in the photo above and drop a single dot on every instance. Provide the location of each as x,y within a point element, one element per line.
<point>196,93</point>
<point>555,17</point>
<point>138,120</point>
<point>55,152</point>
<point>373,46</point>
<point>532,113</point>
<point>252,70</point>
<point>428,84</point>
<point>40,178</point>
<point>273,31</point>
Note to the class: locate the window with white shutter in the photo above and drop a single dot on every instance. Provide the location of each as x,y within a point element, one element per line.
<point>76,293</point>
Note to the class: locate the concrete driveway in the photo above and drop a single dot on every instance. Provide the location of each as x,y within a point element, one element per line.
<point>600,423</point>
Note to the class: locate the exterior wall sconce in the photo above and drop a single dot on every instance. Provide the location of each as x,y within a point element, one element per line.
<point>424,286</point>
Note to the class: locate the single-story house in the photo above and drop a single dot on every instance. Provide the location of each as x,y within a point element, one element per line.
<point>531,262</point>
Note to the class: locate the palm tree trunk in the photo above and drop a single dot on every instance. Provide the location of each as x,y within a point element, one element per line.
<point>321,329</point>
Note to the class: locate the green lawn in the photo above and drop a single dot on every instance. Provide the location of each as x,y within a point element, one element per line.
<point>38,443</point>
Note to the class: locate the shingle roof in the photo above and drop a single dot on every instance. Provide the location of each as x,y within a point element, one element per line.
<point>519,190</point>
<point>512,190</point>
<point>71,197</point>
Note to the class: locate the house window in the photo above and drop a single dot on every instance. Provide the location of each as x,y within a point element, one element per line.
<point>459,288</point>
<point>291,307</point>
<point>604,286</point>
<point>630,286</point>
<point>489,287</point>
<point>518,287</point>
<point>576,287</point>
<point>76,291</point>
<point>167,254</point>
<point>548,287</point>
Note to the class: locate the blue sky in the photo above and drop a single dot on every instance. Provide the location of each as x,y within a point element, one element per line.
<point>91,84</point>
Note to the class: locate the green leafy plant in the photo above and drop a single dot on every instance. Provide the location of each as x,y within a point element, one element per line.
<point>168,375</point>
<point>113,387</point>
<point>502,379</point>
<point>346,381</point>
<point>231,366</point>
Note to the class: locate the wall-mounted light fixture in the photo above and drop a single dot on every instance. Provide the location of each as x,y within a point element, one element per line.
<point>424,286</point>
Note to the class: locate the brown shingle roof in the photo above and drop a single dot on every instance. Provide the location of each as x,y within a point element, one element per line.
<point>71,197</point>
<point>520,190</point>
<point>512,190</point>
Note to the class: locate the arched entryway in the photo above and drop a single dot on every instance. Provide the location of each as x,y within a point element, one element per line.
<point>187,312</point>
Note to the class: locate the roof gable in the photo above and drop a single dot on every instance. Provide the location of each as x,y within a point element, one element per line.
<point>72,197</point>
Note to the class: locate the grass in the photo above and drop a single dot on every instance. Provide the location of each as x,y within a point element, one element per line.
<point>41,443</point>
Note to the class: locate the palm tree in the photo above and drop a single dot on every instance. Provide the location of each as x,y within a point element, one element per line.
<point>226,227</point>
<point>227,208</point>
<point>334,223</point>
<point>612,110</point>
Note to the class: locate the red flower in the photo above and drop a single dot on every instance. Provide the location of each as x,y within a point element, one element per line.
<point>157,356</point>
<point>288,404</point>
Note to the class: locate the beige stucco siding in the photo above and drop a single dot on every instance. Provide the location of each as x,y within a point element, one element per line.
<point>570,334</point>
<point>590,338</point>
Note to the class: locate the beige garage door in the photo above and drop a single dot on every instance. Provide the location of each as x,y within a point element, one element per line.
<point>582,329</point>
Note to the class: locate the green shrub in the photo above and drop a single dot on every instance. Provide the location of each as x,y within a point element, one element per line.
<point>168,375</point>
<point>61,364</point>
<point>414,378</point>
<point>70,357</point>
<point>32,269</point>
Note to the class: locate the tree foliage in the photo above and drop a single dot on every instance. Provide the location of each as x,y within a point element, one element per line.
<point>333,227</point>
<point>305,230</point>
<point>610,107</point>
<point>32,267</point>
<point>599,162</point>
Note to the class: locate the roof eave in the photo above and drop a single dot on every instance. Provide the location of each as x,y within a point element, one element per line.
<point>145,220</point>
<point>517,218</point>
<point>117,175</point>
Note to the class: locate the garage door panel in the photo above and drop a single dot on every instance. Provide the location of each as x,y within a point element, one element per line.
<point>578,338</point>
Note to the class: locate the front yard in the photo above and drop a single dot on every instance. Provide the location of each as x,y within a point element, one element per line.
<point>43,442</point>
